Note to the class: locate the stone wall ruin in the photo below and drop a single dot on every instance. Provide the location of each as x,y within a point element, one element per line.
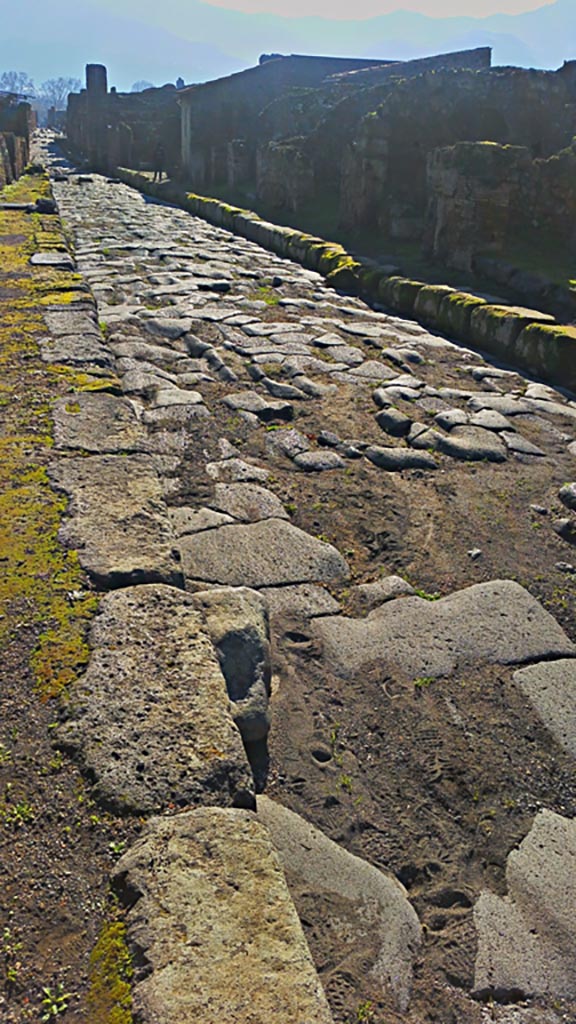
<point>16,124</point>
<point>370,146</point>
<point>112,129</point>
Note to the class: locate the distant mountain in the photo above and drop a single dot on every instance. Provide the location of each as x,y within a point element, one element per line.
<point>75,34</point>
<point>161,41</point>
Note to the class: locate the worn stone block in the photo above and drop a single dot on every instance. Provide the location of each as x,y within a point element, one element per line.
<point>428,303</point>
<point>150,720</point>
<point>236,620</point>
<point>496,623</point>
<point>526,939</point>
<point>368,901</point>
<point>455,313</point>
<point>496,328</point>
<point>548,350</point>
<point>97,422</point>
<point>117,519</point>
<point>211,915</point>
<point>264,554</point>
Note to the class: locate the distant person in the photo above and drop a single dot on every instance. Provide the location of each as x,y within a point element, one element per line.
<point>159,158</point>
<point>180,83</point>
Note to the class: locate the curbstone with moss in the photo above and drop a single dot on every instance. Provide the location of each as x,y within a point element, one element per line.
<point>429,302</point>
<point>370,279</point>
<point>345,275</point>
<point>407,292</point>
<point>399,293</point>
<point>455,312</point>
<point>548,350</point>
<point>496,328</point>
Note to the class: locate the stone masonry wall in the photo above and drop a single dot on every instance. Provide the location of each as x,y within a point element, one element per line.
<point>250,105</point>
<point>123,129</point>
<point>472,189</point>
<point>509,106</point>
<point>285,177</point>
<point>481,195</point>
<point>16,120</point>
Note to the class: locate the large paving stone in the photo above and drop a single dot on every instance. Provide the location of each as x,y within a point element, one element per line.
<point>371,596</point>
<point>497,622</point>
<point>303,600</point>
<point>150,720</point>
<point>319,461</point>
<point>526,940</point>
<point>231,470</point>
<point>236,620</point>
<point>472,444</point>
<point>396,459</point>
<point>69,321</point>
<point>176,396</point>
<point>55,260</point>
<point>251,401</point>
<point>83,350</point>
<point>507,405</point>
<point>247,502</point>
<point>287,442</point>
<point>117,519</point>
<point>551,689</point>
<point>156,355</point>
<point>168,327</point>
<point>264,554</point>
<point>363,900</point>
<point>195,520</point>
<point>98,423</point>
<point>212,916</point>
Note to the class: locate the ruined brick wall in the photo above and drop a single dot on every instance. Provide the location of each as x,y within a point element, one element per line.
<point>16,124</point>
<point>292,96</point>
<point>461,60</point>
<point>513,106</point>
<point>553,200</point>
<point>123,129</point>
<point>215,113</point>
<point>472,188</point>
<point>483,197</point>
<point>285,178</point>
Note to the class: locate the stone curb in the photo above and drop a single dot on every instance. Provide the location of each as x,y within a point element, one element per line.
<point>526,338</point>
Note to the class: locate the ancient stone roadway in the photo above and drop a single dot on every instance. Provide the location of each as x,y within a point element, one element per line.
<point>246,385</point>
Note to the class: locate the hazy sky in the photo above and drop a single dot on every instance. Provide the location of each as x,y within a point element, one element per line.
<point>369,8</point>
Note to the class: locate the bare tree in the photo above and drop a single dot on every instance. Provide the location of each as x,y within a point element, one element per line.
<point>55,90</point>
<point>18,82</point>
<point>141,85</point>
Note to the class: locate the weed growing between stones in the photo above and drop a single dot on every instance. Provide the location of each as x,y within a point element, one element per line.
<point>264,293</point>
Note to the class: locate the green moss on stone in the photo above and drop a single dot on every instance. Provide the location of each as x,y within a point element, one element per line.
<point>496,328</point>
<point>455,313</point>
<point>38,574</point>
<point>406,293</point>
<point>548,351</point>
<point>428,303</point>
<point>111,971</point>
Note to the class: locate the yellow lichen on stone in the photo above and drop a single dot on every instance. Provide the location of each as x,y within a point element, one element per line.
<point>42,587</point>
<point>109,996</point>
